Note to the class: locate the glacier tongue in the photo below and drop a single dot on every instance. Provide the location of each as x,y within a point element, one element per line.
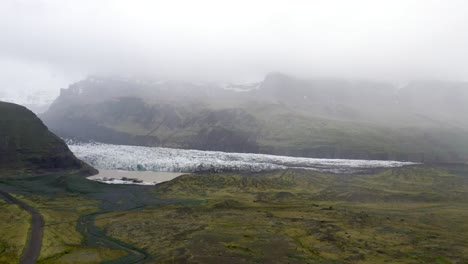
<point>132,158</point>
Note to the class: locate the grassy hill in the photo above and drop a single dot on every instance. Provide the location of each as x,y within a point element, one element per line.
<point>27,146</point>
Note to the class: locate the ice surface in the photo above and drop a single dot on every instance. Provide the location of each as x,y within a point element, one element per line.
<point>133,158</point>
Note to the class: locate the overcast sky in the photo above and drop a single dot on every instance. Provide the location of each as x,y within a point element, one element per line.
<point>46,44</point>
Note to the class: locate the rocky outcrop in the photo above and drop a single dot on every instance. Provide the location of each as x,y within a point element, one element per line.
<point>27,146</point>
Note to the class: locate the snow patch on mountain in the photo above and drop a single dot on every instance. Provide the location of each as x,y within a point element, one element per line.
<point>133,158</point>
<point>241,87</point>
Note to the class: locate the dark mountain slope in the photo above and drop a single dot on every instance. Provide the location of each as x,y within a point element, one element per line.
<point>27,146</point>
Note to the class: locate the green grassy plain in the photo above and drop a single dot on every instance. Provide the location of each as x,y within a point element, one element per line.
<point>14,225</point>
<point>404,215</point>
<point>303,217</point>
<point>61,242</point>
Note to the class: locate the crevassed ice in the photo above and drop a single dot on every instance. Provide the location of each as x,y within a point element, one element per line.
<point>122,157</point>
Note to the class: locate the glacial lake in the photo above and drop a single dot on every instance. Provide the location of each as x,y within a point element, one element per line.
<point>134,177</point>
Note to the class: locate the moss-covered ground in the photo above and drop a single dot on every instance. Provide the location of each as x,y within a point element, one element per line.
<point>405,215</point>
<point>14,225</point>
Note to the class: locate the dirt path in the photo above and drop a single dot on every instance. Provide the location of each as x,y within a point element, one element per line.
<point>32,248</point>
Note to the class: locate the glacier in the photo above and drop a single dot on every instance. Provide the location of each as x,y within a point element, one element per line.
<point>138,158</point>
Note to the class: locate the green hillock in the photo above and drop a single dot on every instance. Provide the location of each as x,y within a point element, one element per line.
<point>27,146</point>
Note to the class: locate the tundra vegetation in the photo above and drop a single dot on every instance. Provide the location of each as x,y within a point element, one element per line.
<point>414,214</point>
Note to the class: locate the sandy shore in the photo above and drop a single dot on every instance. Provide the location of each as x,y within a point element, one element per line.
<point>147,177</point>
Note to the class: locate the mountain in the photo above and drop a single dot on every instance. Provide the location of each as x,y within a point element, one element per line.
<point>322,118</point>
<point>28,147</point>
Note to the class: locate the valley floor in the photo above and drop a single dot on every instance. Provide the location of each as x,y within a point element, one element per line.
<point>33,245</point>
<point>413,214</point>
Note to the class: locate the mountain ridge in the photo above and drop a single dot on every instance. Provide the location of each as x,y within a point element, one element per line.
<point>281,115</point>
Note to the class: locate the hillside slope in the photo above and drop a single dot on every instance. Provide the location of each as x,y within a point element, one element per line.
<point>281,115</point>
<point>27,146</point>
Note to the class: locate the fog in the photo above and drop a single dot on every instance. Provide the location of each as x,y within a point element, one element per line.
<point>46,44</point>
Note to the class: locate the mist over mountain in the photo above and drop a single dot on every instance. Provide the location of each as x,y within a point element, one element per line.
<point>37,102</point>
<point>324,118</point>
<point>48,44</point>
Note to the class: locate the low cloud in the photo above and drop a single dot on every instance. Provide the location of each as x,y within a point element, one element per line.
<point>231,40</point>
